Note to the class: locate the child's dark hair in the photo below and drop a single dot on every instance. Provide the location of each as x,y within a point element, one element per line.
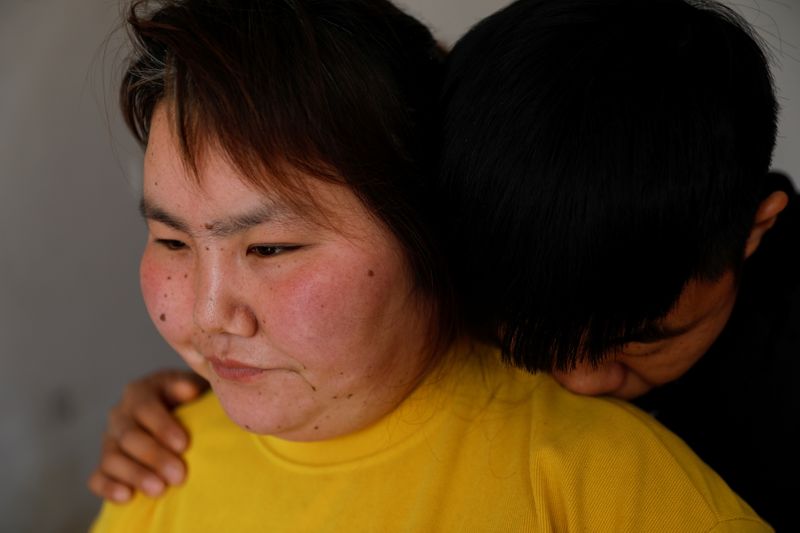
<point>600,154</point>
<point>341,90</point>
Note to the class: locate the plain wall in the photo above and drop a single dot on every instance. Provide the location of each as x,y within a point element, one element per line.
<point>72,325</point>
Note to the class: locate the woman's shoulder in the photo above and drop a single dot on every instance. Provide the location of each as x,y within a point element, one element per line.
<point>603,464</point>
<point>205,411</point>
<point>608,454</point>
<point>210,429</point>
<point>209,460</point>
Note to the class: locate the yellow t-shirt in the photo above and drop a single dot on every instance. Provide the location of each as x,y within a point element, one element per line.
<point>482,447</point>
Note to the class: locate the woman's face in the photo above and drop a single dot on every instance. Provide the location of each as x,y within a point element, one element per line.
<point>305,331</point>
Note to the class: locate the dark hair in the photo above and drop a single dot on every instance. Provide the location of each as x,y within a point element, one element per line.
<point>342,90</point>
<point>600,154</point>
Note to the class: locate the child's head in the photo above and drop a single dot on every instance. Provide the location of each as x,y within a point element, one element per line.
<point>602,154</point>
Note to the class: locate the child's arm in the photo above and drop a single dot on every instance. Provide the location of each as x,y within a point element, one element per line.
<point>143,440</point>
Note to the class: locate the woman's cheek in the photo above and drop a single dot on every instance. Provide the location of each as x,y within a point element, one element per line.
<point>166,290</point>
<point>333,312</point>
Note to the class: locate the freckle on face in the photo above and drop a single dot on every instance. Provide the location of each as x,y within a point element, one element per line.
<point>163,317</point>
<point>370,273</point>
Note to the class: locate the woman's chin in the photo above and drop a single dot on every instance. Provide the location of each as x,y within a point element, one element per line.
<point>263,413</point>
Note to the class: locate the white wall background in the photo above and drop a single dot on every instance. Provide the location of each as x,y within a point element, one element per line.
<point>72,326</point>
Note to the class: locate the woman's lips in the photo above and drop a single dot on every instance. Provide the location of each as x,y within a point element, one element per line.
<point>232,370</point>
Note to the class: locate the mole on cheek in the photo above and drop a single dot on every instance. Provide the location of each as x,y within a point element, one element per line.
<point>370,273</point>
<point>169,278</point>
<point>209,227</point>
<point>163,317</point>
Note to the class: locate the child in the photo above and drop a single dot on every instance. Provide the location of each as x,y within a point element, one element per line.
<point>609,159</point>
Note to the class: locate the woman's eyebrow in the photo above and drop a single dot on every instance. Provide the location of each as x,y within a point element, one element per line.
<point>267,212</point>
<point>244,221</point>
<point>150,211</point>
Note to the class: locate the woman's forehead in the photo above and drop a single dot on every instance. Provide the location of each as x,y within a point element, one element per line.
<point>171,183</point>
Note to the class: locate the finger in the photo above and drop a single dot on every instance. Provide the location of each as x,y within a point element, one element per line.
<point>117,422</point>
<point>122,469</point>
<point>149,453</point>
<point>108,489</point>
<point>183,388</point>
<point>174,386</point>
<point>153,416</point>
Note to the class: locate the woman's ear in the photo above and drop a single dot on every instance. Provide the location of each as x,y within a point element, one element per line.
<point>766,215</point>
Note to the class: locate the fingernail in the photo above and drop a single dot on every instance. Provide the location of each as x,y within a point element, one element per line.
<point>173,473</point>
<point>177,441</point>
<point>152,486</point>
<point>120,494</point>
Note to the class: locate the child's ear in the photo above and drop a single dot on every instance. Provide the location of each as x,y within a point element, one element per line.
<point>766,215</point>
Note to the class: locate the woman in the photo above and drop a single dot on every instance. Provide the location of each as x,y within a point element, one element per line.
<point>292,263</point>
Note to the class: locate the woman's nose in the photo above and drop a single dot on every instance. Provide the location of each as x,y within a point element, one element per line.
<point>220,303</point>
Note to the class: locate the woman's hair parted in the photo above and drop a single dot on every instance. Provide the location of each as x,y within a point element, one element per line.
<point>340,90</point>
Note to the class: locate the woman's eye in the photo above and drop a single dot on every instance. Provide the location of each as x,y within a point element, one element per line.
<point>171,244</point>
<point>269,250</point>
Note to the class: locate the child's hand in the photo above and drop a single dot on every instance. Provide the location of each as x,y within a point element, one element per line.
<point>143,441</point>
